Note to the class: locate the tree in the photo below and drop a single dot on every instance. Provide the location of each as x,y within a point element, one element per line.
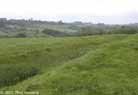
<point>2,22</point>
<point>21,35</point>
<point>60,22</point>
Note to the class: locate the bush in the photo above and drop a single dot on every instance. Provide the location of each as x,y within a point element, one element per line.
<point>12,73</point>
<point>91,31</point>
<point>54,33</point>
<point>114,30</point>
<point>124,30</point>
<point>21,35</point>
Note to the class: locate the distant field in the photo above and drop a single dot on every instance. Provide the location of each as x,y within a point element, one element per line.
<point>90,65</point>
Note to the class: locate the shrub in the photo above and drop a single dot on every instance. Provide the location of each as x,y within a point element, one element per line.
<point>22,35</point>
<point>54,32</point>
<point>12,73</point>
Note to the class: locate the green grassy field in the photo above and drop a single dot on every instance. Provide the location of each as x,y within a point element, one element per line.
<point>92,65</point>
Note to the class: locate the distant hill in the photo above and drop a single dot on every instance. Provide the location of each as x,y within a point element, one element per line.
<point>34,28</point>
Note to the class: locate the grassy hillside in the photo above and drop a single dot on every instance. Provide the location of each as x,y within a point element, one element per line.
<point>96,65</point>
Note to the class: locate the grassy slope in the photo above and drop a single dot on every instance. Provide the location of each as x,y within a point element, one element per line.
<point>98,65</point>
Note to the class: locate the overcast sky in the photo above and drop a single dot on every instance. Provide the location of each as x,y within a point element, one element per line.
<point>104,11</point>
